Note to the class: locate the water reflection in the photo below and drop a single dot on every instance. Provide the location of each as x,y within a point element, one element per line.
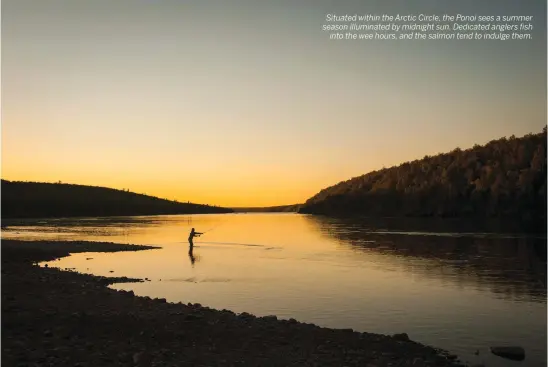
<point>191,255</point>
<point>510,266</point>
<point>449,284</point>
<point>98,222</point>
<point>116,229</point>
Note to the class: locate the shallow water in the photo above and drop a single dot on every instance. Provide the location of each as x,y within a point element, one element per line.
<point>449,286</point>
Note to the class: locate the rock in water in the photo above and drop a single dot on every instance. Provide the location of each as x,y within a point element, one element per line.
<point>514,353</point>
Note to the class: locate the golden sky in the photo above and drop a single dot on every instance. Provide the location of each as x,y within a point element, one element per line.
<point>236,103</point>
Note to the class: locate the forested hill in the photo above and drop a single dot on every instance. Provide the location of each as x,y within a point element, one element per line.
<point>39,200</point>
<point>504,178</point>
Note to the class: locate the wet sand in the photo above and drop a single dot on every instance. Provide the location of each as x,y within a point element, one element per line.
<point>52,317</point>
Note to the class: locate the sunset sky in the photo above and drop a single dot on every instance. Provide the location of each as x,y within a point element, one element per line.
<point>248,103</point>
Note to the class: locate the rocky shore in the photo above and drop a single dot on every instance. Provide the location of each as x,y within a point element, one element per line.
<point>58,318</point>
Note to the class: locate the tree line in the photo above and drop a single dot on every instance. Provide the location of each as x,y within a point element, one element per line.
<point>504,178</point>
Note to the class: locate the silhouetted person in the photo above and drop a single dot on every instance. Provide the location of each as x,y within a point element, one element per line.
<point>191,236</point>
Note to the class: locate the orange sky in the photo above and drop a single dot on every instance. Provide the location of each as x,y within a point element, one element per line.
<point>212,104</point>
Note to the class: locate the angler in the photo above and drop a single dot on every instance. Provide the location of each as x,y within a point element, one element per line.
<point>191,236</point>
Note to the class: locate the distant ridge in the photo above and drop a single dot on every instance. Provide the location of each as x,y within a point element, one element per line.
<point>504,178</point>
<point>269,209</point>
<point>41,200</point>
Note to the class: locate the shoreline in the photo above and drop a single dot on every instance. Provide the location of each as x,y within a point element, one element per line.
<point>55,317</point>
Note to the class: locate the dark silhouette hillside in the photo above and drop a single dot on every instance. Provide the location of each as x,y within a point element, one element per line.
<point>504,178</point>
<point>40,200</point>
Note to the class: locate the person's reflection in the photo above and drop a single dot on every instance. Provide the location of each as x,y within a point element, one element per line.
<point>191,256</point>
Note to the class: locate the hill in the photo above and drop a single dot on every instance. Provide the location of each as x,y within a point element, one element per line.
<point>270,209</point>
<point>40,200</point>
<point>504,178</point>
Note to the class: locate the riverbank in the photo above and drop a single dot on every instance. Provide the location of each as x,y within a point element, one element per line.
<point>60,318</point>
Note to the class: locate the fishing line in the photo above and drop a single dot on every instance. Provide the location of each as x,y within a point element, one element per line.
<point>214,227</point>
<point>227,244</point>
<point>266,247</point>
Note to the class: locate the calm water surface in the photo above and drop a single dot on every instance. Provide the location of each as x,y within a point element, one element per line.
<point>444,284</point>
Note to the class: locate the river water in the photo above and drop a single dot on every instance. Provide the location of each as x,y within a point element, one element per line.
<point>446,284</point>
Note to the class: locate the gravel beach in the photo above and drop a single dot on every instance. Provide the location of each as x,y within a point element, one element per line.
<point>61,318</point>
